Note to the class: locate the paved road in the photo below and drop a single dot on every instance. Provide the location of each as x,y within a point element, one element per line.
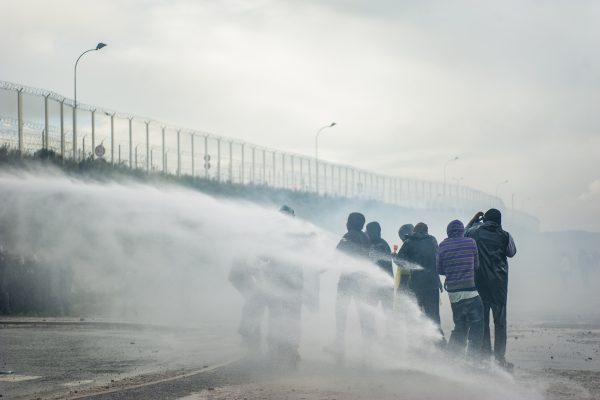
<point>52,356</point>
<point>70,359</point>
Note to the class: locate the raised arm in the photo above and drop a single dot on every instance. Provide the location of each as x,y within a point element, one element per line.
<point>511,249</point>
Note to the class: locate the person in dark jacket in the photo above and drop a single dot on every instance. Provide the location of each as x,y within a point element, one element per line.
<point>403,278</point>
<point>381,255</point>
<point>421,249</point>
<point>458,260</point>
<point>353,284</point>
<point>494,246</point>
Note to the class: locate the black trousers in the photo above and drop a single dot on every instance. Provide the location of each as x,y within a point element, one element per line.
<point>428,300</point>
<point>499,315</point>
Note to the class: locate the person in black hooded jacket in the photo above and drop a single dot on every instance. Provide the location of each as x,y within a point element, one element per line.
<point>421,248</point>
<point>494,246</point>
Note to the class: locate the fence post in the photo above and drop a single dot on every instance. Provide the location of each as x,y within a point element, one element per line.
<point>62,130</point>
<point>164,154</point>
<point>148,160</point>
<point>93,134</point>
<point>74,131</point>
<point>193,159</point>
<point>230,161</point>
<point>309,176</point>
<point>346,182</point>
<point>242,166</point>
<point>20,120</point>
<point>130,142</point>
<point>283,180</point>
<point>179,152</point>
<point>253,170</point>
<point>219,160</point>
<point>301,174</point>
<point>292,180</point>
<point>264,167</point>
<point>112,139</point>
<point>46,122</point>
<point>206,157</point>
<point>274,170</point>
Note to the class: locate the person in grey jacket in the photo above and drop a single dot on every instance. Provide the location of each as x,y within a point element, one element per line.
<point>494,246</point>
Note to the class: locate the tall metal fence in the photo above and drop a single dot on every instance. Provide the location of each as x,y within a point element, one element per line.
<point>32,119</point>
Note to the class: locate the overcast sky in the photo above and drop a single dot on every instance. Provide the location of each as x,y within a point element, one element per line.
<point>510,87</point>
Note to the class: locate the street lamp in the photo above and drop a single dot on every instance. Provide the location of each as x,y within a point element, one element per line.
<point>445,166</point>
<point>331,125</point>
<point>98,47</point>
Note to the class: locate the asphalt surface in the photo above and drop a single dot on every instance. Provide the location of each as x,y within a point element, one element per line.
<point>51,357</point>
<point>73,359</point>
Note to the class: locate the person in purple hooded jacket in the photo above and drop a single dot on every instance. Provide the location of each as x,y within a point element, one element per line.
<point>458,259</point>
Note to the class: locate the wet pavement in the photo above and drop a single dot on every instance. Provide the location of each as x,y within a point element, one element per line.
<point>49,356</point>
<point>97,359</point>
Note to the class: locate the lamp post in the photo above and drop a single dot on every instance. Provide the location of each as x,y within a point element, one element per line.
<point>331,125</point>
<point>98,47</point>
<point>445,166</point>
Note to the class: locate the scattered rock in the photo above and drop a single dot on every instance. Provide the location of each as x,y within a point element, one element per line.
<point>81,319</point>
<point>131,342</point>
<point>211,388</point>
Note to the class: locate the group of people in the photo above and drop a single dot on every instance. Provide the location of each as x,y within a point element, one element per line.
<point>473,259</point>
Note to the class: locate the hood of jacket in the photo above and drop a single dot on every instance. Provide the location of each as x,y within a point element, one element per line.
<point>455,229</point>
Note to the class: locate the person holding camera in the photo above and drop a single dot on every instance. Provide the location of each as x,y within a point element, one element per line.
<point>494,246</point>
